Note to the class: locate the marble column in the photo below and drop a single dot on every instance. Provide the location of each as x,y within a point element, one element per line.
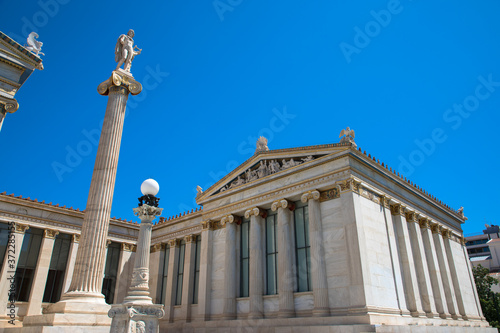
<point>173,264</point>
<point>205,287</point>
<point>71,262</point>
<point>422,270</point>
<point>88,275</point>
<point>9,267</point>
<point>155,275</point>
<point>412,294</point>
<point>286,276</point>
<point>139,287</point>
<point>318,265</point>
<point>435,273</point>
<point>395,259</point>
<point>125,266</point>
<point>41,272</point>
<point>446,233</point>
<point>188,278</point>
<point>257,260</point>
<point>449,291</point>
<point>229,310</point>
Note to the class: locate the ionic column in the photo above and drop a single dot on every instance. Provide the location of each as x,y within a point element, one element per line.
<point>449,291</point>
<point>435,272</point>
<point>424,281</point>
<point>88,275</point>
<point>173,264</point>
<point>187,284</point>
<point>446,233</point>
<point>16,237</point>
<point>205,272</point>
<point>257,260</point>
<point>139,287</point>
<point>71,261</point>
<point>41,272</point>
<point>318,266</point>
<point>395,260</point>
<point>410,281</point>
<point>154,270</point>
<point>229,310</point>
<point>125,263</point>
<point>285,264</point>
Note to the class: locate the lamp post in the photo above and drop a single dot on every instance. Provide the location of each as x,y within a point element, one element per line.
<point>137,312</point>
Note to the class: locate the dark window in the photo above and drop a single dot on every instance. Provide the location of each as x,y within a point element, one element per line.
<point>180,273</point>
<point>244,257</point>
<point>4,237</point>
<point>271,254</point>
<point>57,268</point>
<point>163,289</point>
<point>302,248</point>
<point>111,272</point>
<point>196,277</point>
<point>26,265</point>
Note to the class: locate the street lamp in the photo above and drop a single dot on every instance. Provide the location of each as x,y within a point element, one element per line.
<point>149,189</point>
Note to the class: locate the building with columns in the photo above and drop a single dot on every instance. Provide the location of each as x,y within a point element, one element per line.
<point>312,239</point>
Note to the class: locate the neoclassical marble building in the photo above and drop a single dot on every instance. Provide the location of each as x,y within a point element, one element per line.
<point>312,239</point>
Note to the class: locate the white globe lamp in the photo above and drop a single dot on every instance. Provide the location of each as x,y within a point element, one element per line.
<point>150,187</point>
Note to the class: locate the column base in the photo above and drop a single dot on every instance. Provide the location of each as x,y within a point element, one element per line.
<point>286,313</point>
<point>321,312</point>
<point>255,315</point>
<point>129,317</point>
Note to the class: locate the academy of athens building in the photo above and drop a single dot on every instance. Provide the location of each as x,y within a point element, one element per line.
<point>312,239</point>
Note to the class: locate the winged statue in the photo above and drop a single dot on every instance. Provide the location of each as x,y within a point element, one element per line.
<point>34,45</point>
<point>347,135</point>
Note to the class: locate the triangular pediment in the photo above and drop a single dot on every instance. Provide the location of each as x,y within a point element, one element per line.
<point>267,164</point>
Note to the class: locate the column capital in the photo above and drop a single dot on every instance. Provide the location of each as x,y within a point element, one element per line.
<point>21,228</point>
<point>462,240</point>
<point>446,233</point>
<point>385,201</point>
<point>75,238</point>
<point>207,225</point>
<point>349,184</point>
<point>411,216</point>
<point>424,223</point>
<point>314,195</point>
<point>436,228</point>
<point>230,219</point>
<point>147,213</point>
<point>9,104</point>
<point>108,242</point>
<point>157,247</point>
<point>49,233</point>
<point>190,239</point>
<point>398,209</point>
<point>255,211</point>
<point>174,242</point>
<point>283,203</point>
<point>118,79</point>
<point>129,247</point>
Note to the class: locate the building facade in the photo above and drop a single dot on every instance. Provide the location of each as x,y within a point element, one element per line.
<point>312,239</point>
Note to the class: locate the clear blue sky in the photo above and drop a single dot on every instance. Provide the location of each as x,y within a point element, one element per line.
<point>217,74</point>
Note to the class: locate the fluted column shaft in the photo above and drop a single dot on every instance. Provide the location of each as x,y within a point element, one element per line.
<point>256,283</point>
<point>205,286</point>
<point>285,265</point>
<point>229,310</point>
<point>318,266</point>
<point>88,273</point>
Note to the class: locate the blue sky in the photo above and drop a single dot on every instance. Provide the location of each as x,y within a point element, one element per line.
<point>419,82</point>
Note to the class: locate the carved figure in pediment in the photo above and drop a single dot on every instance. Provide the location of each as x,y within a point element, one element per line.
<point>239,181</point>
<point>274,166</point>
<point>307,159</point>
<point>251,175</point>
<point>262,171</point>
<point>289,164</point>
<point>223,188</point>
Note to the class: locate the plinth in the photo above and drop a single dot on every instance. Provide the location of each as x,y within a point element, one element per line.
<point>83,306</point>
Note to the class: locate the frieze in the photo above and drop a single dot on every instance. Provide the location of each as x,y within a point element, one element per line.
<point>329,194</point>
<point>179,234</point>
<point>282,192</point>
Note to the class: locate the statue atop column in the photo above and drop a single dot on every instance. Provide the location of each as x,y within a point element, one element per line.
<point>125,51</point>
